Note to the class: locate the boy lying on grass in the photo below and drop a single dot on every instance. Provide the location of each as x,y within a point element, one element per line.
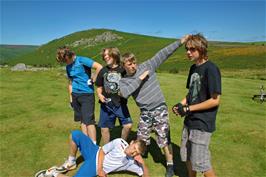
<point>115,156</point>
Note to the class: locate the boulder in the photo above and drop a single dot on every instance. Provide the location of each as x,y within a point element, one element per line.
<point>19,67</point>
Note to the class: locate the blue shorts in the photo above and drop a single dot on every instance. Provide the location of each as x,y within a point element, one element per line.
<point>88,151</point>
<point>108,115</point>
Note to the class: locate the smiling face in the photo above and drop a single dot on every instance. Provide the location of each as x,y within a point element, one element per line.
<point>109,60</point>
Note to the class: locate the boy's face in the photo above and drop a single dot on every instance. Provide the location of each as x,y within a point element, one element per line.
<point>68,60</point>
<point>132,150</point>
<point>130,67</point>
<point>107,58</point>
<point>192,53</point>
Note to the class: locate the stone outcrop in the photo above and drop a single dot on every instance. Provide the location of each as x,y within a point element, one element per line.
<point>102,38</point>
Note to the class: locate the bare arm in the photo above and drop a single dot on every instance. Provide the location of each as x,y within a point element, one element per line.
<point>97,67</point>
<point>99,91</point>
<point>101,156</point>
<point>140,160</point>
<point>208,104</point>
<point>70,90</point>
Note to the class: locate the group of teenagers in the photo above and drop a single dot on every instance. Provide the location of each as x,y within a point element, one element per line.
<point>121,78</point>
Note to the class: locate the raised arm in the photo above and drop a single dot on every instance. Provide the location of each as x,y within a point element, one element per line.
<point>164,53</point>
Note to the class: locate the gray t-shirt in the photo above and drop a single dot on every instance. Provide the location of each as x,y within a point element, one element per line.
<point>116,160</point>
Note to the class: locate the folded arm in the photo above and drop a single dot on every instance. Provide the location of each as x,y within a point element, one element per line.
<point>128,86</point>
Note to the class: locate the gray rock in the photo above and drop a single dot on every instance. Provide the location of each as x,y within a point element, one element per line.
<point>102,38</point>
<point>19,67</point>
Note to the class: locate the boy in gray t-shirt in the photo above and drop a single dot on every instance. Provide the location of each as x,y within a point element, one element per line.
<point>115,156</point>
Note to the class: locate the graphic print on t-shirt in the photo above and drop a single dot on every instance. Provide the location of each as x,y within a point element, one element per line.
<point>111,82</point>
<point>194,86</point>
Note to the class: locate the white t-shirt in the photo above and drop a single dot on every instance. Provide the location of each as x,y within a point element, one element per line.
<point>116,160</point>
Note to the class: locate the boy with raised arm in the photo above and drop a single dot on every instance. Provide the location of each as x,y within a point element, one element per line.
<point>141,82</point>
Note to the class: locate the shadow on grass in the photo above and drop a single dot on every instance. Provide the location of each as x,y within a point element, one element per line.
<point>153,150</point>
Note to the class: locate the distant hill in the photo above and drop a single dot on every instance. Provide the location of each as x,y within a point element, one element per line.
<point>228,55</point>
<point>9,52</point>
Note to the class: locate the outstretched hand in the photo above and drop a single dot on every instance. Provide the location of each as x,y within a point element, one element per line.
<point>184,38</point>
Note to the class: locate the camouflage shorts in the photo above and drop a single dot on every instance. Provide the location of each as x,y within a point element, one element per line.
<point>157,121</point>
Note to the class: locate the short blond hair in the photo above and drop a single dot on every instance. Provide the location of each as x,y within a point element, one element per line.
<point>128,57</point>
<point>141,145</point>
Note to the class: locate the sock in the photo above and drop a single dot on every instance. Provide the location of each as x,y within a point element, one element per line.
<point>169,163</point>
<point>55,173</point>
<point>71,158</point>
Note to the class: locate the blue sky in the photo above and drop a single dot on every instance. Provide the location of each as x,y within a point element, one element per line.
<point>37,22</point>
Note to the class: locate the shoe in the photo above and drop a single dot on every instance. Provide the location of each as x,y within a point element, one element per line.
<point>46,173</point>
<point>67,166</point>
<point>40,173</point>
<point>169,171</point>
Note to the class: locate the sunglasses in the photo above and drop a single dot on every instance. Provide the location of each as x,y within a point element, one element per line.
<point>191,49</point>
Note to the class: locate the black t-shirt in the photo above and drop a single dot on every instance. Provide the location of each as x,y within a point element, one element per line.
<point>109,78</point>
<point>203,81</point>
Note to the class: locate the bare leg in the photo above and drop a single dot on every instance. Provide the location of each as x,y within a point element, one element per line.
<point>168,153</point>
<point>61,175</point>
<point>209,173</point>
<point>73,147</point>
<point>126,130</point>
<point>89,130</point>
<point>105,135</point>
<point>191,173</point>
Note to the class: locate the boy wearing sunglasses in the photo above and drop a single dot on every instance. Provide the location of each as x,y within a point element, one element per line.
<point>199,107</point>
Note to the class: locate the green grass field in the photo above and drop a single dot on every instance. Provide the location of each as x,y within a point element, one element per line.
<point>36,120</point>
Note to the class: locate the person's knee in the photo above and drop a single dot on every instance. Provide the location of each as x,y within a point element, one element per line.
<point>105,130</point>
<point>75,136</point>
<point>127,126</point>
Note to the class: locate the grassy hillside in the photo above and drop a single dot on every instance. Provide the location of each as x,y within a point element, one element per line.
<point>9,52</point>
<point>228,55</point>
<point>35,121</point>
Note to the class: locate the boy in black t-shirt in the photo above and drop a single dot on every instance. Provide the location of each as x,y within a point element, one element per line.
<point>112,105</point>
<point>199,108</point>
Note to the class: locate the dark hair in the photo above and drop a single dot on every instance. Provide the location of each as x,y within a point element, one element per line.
<point>113,52</point>
<point>62,52</point>
<point>199,42</point>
